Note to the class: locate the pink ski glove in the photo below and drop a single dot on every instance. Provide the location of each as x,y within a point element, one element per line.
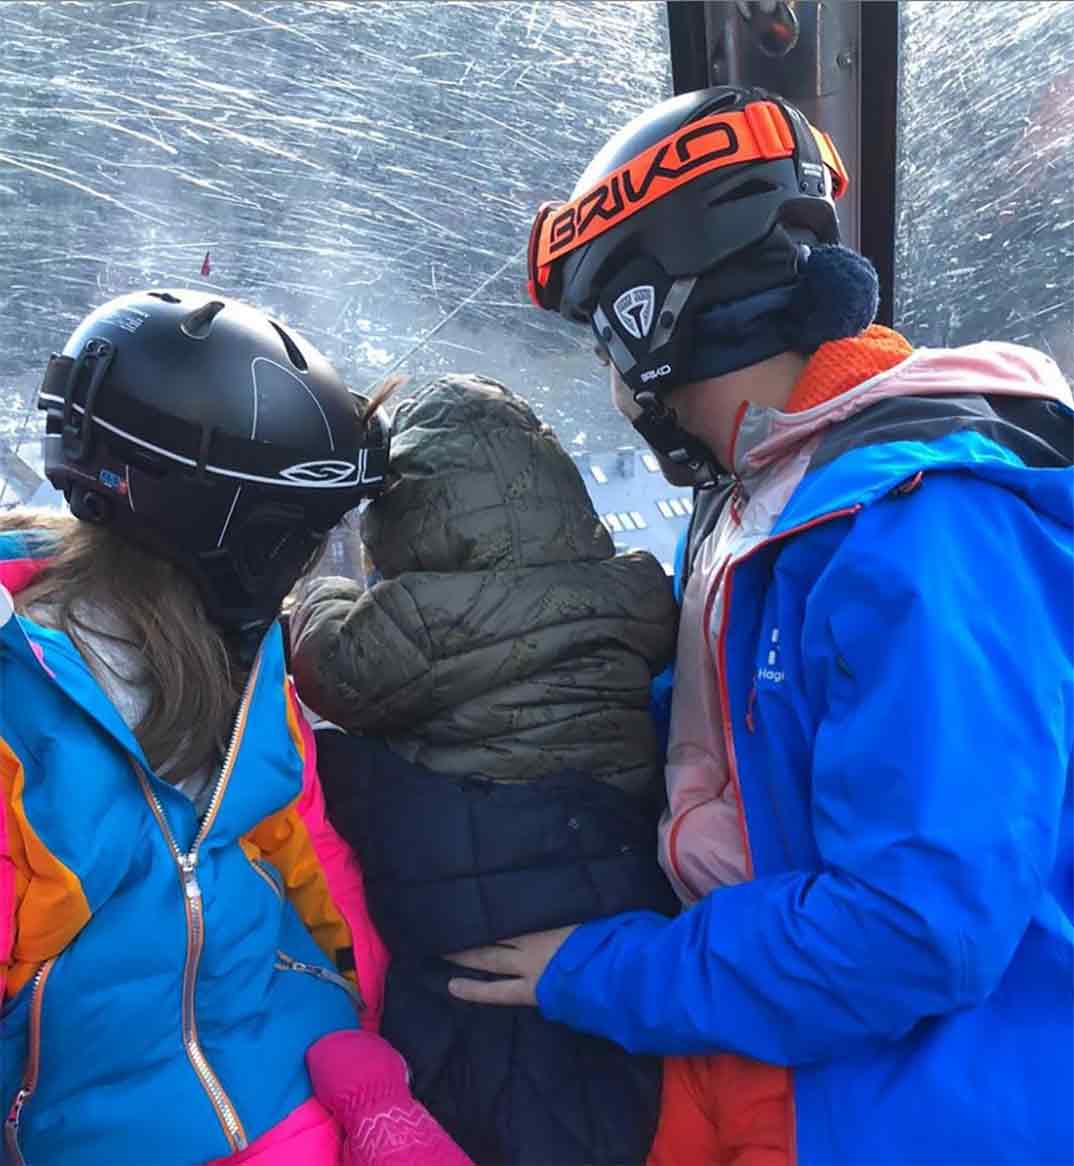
<point>362,1081</point>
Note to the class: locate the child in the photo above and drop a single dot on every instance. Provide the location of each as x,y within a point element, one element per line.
<point>178,922</point>
<point>507,773</point>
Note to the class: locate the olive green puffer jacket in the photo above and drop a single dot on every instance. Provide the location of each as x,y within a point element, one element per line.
<point>506,639</point>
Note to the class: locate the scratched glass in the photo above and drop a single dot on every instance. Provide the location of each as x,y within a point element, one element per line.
<point>985,231</point>
<point>367,171</point>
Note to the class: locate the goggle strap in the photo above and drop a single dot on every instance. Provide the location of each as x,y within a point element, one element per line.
<point>759,132</point>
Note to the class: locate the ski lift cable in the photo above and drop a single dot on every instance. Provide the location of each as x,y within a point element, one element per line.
<point>515,257</point>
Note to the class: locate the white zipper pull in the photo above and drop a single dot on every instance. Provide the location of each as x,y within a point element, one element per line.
<point>188,865</point>
<point>16,1108</point>
<point>286,963</point>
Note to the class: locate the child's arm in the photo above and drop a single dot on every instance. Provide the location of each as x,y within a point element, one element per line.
<point>350,654</point>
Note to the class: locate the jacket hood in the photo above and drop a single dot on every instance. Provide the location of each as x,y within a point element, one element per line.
<point>506,639</point>
<point>477,483</point>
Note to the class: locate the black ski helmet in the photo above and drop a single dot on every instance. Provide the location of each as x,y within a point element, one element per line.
<point>708,198</point>
<point>211,435</point>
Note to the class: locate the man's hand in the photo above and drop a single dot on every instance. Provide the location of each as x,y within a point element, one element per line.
<point>523,960</point>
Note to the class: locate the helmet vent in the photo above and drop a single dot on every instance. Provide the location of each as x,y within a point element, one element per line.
<point>294,353</point>
<point>746,190</point>
<point>199,323</point>
<point>167,297</point>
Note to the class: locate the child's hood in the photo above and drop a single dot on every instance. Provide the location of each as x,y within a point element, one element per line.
<point>478,483</point>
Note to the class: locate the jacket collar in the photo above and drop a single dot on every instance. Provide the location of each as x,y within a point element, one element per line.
<point>766,435</point>
<point>53,653</point>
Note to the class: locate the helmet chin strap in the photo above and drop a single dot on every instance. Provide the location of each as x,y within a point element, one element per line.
<point>659,427</point>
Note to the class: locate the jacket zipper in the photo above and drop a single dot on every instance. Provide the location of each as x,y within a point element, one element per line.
<point>725,717</point>
<point>33,1065</point>
<point>186,865</point>
<point>285,963</point>
<point>721,648</point>
<point>673,837</point>
<point>260,870</point>
<point>729,746</point>
<point>724,578</point>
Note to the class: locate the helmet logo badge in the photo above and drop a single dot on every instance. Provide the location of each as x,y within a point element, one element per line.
<point>327,473</point>
<point>635,310</point>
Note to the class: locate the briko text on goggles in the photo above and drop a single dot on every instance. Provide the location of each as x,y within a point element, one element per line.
<point>758,132</point>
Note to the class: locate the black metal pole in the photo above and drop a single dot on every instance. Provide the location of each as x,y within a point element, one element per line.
<point>688,42</point>
<point>879,54</point>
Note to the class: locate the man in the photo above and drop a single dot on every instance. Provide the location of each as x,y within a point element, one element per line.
<point>869,770</point>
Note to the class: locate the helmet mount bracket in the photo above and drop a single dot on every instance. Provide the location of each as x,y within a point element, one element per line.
<point>95,359</point>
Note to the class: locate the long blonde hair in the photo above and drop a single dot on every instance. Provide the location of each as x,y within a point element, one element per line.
<point>149,607</point>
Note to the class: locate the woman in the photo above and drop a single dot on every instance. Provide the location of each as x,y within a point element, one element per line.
<point>178,922</point>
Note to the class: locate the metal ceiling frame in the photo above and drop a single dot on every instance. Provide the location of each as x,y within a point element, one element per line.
<point>841,67</point>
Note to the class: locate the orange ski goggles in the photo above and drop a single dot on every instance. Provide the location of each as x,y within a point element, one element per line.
<point>758,132</point>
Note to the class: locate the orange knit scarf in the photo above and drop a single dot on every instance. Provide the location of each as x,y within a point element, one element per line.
<point>840,365</point>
